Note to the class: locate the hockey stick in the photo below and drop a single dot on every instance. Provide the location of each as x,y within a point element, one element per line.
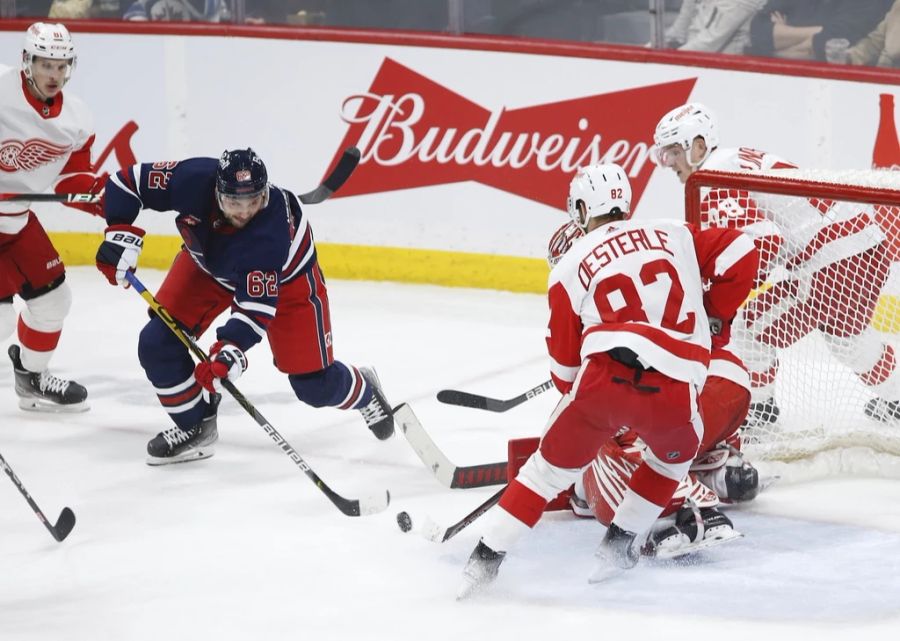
<point>444,470</point>
<point>53,198</point>
<point>434,532</point>
<point>371,504</point>
<point>64,523</point>
<point>455,397</point>
<point>345,166</point>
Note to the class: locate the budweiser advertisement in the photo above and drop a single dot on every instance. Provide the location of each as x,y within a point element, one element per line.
<point>415,132</point>
<point>463,150</point>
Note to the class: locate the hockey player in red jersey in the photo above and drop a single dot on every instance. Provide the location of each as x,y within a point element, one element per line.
<point>827,262</point>
<point>46,143</point>
<point>719,473</point>
<point>629,321</point>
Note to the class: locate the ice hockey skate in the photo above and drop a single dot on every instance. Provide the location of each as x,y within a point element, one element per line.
<point>883,410</point>
<point>694,530</point>
<point>44,392</point>
<point>618,551</point>
<point>480,570</point>
<point>176,445</point>
<point>378,414</point>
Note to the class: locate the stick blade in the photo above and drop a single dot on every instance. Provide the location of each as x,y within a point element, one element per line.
<point>432,531</point>
<point>374,503</point>
<point>463,399</point>
<point>348,162</point>
<point>345,166</point>
<point>64,524</point>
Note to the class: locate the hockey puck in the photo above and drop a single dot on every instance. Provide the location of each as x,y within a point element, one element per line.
<point>404,521</point>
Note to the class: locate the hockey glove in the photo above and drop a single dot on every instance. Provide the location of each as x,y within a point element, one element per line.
<point>84,184</point>
<point>119,252</point>
<point>225,361</point>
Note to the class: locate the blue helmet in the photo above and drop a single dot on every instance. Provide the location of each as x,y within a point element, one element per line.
<point>241,174</point>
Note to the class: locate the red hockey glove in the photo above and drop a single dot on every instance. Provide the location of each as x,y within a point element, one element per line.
<point>225,361</point>
<point>84,184</point>
<point>119,252</point>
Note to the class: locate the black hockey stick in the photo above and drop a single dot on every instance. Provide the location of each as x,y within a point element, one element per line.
<point>434,532</point>
<point>465,399</point>
<point>64,523</point>
<point>345,166</point>
<point>449,474</point>
<point>53,198</point>
<point>371,504</point>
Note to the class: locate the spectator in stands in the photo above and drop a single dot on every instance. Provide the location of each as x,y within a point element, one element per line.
<point>881,46</point>
<point>178,10</point>
<point>69,9</point>
<point>32,8</point>
<point>799,29</point>
<point>713,25</point>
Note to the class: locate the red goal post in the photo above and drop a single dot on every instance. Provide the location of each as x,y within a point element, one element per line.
<point>821,334</point>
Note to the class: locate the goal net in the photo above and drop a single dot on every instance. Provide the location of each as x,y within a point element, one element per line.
<point>819,334</point>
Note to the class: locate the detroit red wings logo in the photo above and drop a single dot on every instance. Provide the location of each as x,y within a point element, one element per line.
<point>413,132</point>
<point>30,155</point>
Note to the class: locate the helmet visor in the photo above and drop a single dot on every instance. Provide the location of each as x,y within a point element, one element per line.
<point>666,156</point>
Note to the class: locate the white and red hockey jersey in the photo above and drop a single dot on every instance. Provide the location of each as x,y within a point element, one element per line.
<point>639,284</point>
<point>799,235</point>
<point>40,144</point>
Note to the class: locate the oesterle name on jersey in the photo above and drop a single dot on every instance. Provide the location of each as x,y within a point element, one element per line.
<point>623,243</point>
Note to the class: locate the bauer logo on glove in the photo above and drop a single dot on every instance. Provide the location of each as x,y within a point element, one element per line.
<point>119,252</point>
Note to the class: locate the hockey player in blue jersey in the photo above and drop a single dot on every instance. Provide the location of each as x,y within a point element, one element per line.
<point>247,247</point>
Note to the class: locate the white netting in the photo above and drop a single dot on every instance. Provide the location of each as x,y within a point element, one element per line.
<point>820,334</point>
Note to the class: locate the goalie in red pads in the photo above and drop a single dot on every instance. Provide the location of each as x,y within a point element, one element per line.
<point>628,321</point>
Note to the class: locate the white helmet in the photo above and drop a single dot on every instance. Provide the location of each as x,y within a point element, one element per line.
<point>44,40</point>
<point>681,125</point>
<point>604,189</point>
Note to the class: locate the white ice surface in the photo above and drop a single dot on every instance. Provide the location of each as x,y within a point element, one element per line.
<point>242,546</point>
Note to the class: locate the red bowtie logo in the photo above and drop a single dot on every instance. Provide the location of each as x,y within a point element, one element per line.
<point>413,132</point>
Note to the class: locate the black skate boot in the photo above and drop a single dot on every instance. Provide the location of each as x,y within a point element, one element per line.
<point>694,529</point>
<point>378,414</point>
<point>883,410</point>
<point>44,392</point>
<point>481,569</point>
<point>176,445</point>
<point>617,552</point>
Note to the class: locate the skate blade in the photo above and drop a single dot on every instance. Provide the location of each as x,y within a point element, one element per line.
<point>185,457</point>
<point>712,540</point>
<point>34,404</point>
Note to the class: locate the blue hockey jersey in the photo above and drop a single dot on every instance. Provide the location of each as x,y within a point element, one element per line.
<point>274,248</point>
